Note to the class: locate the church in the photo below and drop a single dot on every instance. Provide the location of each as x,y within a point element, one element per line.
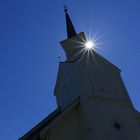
<point>92,100</point>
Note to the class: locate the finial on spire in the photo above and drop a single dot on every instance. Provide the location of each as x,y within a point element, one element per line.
<point>65,8</point>
<point>70,28</point>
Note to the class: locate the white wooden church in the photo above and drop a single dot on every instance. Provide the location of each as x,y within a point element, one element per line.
<point>93,103</point>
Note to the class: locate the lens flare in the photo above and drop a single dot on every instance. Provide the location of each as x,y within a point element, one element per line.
<point>89,45</point>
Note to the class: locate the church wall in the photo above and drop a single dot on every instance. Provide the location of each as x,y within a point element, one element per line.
<point>68,128</point>
<point>92,77</point>
<point>114,74</point>
<point>138,116</point>
<point>99,78</point>
<point>67,86</point>
<point>103,114</point>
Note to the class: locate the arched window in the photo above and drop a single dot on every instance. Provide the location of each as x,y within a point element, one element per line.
<point>100,84</point>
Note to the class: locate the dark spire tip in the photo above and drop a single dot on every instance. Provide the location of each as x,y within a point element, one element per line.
<point>65,8</point>
<point>70,28</point>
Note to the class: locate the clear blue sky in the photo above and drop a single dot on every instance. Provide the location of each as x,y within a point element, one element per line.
<point>30,32</point>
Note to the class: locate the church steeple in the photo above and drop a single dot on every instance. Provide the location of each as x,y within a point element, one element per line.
<point>71,32</point>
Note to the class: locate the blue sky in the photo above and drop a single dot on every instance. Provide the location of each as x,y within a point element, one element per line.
<point>30,32</point>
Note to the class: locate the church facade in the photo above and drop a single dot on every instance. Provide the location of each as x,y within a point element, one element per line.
<point>93,103</point>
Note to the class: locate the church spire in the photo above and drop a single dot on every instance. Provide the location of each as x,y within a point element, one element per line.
<point>70,28</point>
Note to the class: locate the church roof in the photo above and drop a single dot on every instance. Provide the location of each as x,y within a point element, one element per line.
<point>35,131</point>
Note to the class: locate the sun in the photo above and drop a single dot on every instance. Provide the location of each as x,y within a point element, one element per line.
<point>89,45</point>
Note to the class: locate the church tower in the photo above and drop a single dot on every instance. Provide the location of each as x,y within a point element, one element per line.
<point>93,103</point>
